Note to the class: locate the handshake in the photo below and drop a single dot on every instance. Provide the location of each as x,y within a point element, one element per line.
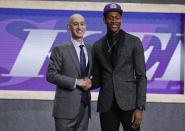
<point>84,84</point>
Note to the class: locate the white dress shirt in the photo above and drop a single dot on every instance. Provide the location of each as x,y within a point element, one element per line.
<point>77,48</point>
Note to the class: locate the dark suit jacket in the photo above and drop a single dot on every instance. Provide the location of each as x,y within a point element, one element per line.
<point>127,79</point>
<point>63,69</point>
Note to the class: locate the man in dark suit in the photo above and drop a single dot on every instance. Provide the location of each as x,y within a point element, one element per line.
<point>69,69</point>
<point>119,71</point>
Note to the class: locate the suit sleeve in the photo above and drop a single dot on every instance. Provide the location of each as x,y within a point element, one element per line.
<point>96,72</point>
<point>54,75</point>
<point>140,73</point>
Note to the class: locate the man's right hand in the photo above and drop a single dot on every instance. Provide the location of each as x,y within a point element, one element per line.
<point>84,84</point>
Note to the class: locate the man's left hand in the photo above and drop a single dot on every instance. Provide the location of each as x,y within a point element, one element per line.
<point>137,117</point>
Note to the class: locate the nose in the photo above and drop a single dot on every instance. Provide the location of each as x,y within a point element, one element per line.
<point>79,27</point>
<point>113,19</point>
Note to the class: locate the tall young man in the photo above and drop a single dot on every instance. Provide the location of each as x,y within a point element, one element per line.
<point>119,71</point>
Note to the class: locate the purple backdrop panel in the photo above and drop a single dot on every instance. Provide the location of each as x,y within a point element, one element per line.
<point>27,36</point>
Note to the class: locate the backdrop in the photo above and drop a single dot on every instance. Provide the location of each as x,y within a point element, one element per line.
<point>28,35</point>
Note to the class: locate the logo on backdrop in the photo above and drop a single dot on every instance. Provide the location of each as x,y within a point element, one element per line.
<point>27,41</point>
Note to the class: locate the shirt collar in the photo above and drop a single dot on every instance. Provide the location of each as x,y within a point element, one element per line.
<point>76,43</point>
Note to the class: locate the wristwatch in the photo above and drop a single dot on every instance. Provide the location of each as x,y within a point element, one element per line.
<point>141,108</point>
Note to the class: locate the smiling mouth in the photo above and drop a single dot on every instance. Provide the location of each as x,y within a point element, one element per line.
<point>114,26</point>
<point>79,31</point>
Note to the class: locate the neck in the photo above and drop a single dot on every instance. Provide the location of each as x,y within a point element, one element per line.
<point>112,34</point>
<point>80,40</point>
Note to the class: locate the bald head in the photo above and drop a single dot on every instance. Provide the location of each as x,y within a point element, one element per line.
<point>77,26</point>
<point>75,17</point>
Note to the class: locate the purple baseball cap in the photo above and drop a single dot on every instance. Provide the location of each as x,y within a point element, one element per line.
<point>112,7</point>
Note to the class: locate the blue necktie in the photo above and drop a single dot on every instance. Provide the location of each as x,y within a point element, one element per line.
<point>82,60</point>
<point>83,71</point>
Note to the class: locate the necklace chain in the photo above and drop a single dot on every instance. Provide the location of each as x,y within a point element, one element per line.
<point>110,47</point>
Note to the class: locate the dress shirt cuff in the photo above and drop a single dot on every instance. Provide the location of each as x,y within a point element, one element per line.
<point>75,83</point>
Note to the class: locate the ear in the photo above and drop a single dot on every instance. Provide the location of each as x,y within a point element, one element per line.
<point>68,26</point>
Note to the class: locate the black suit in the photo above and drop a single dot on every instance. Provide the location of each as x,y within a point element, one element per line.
<point>120,73</point>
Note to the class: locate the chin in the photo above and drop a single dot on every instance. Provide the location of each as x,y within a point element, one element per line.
<point>79,37</point>
<point>114,31</point>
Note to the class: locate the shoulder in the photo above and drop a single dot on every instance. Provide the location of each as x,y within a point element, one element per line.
<point>131,39</point>
<point>63,46</point>
<point>99,42</point>
<point>130,36</point>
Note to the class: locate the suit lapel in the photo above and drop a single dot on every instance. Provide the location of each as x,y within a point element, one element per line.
<point>74,57</point>
<point>121,50</point>
<point>105,53</point>
<point>89,57</point>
